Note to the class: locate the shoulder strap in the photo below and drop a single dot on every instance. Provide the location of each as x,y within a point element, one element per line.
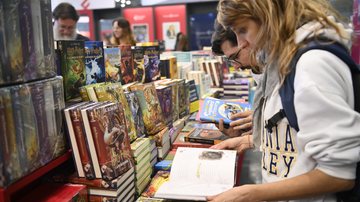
<point>287,89</point>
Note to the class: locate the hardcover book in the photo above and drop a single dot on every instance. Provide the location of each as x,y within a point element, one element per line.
<point>78,140</point>
<point>136,113</point>
<point>150,107</point>
<point>151,63</point>
<point>108,140</point>
<point>73,67</point>
<point>127,69</point>
<point>212,110</point>
<point>94,62</point>
<point>180,142</point>
<point>112,185</point>
<point>199,172</point>
<point>205,136</point>
<point>164,94</point>
<point>138,63</point>
<point>112,64</point>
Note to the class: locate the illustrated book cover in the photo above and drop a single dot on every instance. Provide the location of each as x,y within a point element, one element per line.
<point>206,136</point>
<point>212,110</point>
<point>199,172</point>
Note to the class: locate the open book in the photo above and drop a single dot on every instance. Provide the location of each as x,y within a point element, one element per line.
<point>199,172</point>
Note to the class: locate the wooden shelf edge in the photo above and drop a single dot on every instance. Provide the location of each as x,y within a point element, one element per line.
<point>26,180</point>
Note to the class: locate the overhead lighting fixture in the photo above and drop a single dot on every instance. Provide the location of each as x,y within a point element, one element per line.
<point>128,2</point>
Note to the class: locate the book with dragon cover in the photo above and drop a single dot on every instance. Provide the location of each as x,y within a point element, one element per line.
<point>108,140</point>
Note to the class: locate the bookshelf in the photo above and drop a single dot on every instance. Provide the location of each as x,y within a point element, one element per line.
<point>7,193</point>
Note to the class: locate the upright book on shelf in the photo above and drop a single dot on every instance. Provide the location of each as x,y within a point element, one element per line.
<point>199,172</point>
<point>94,62</point>
<point>108,140</point>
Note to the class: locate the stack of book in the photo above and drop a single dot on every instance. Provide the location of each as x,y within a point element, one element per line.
<point>238,87</point>
<point>143,169</point>
<point>101,148</point>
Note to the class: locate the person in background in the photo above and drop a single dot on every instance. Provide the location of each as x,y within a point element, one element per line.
<point>181,43</point>
<point>318,160</point>
<point>122,33</point>
<point>65,20</point>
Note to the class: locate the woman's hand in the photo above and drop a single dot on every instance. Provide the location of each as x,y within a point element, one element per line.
<point>240,144</point>
<point>243,126</point>
<point>245,193</point>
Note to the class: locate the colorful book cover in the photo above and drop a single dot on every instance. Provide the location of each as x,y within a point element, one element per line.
<point>151,63</point>
<point>109,139</point>
<point>150,107</point>
<point>73,67</point>
<point>183,98</point>
<point>164,94</point>
<point>205,136</point>
<point>127,69</point>
<point>193,97</point>
<point>113,92</point>
<point>27,40</point>
<point>94,62</point>
<point>136,113</point>
<point>138,63</point>
<point>112,64</point>
<point>214,109</point>
<point>160,177</point>
<point>13,44</point>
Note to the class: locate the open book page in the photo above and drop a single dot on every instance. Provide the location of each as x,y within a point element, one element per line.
<point>199,172</point>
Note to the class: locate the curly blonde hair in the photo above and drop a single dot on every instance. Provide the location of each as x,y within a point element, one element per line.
<point>278,21</point>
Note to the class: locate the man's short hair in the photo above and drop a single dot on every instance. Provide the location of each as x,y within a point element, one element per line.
<point>219,36</point>
<point>65,11</point>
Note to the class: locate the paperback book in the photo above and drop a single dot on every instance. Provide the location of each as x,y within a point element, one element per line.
<point>212,110</point>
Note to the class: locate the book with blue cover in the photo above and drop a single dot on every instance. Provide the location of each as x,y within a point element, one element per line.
<point>212,110</point>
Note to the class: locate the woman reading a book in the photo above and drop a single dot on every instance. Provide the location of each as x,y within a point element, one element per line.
<point>122,33</point>
<point>318,160</point>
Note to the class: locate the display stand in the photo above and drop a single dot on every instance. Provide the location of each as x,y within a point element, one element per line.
<point>7,193</point>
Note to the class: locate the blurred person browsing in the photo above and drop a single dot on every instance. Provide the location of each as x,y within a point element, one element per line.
<point>65,21</point>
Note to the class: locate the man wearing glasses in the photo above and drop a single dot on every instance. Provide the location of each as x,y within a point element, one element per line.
<point>66,18</point>
<point>224,42</point>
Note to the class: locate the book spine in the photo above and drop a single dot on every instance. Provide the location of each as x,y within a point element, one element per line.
<point>13,44</point>
<point>31,138</point>
<point>59,105</point>
<point>37,96</point>
<point>4,149</point>
<point>47,37</point>
<point>13,170</point>
<point>4,75</point>
<point>18,124</point>
<point>198,140</point>
<point>38,38</point>
<point>50,120</point>
<point>87,165</point>
<point>27,40</point>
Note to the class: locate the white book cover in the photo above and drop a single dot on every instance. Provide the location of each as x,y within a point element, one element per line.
<point>199,172</point>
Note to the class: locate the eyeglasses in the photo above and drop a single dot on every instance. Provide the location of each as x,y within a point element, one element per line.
<point>233,58</point>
